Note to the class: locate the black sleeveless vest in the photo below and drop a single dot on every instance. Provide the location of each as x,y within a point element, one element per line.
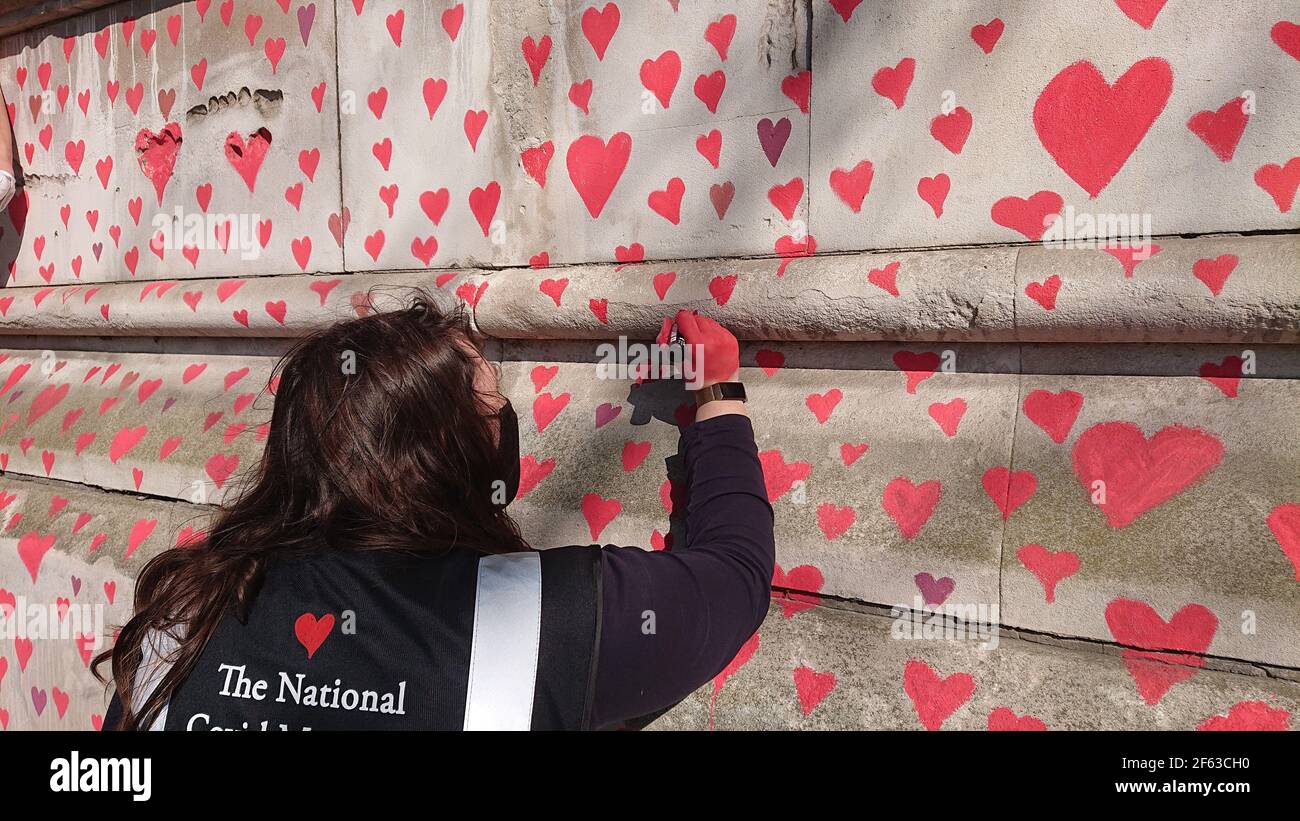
<point>375,641</point>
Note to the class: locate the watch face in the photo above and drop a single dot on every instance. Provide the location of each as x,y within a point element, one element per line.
<point>731,390</point>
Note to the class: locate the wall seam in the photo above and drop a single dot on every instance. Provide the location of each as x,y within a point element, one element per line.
<point>1044,638</point>
<point>1015,419</point>
<point>338,126</point>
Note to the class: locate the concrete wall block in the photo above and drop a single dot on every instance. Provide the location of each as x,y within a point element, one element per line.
<point>1209,289</point>
<point>869,487</point>
<point>824,668</point>
<point>71,554</point>
<point>963,295</point>
<point>256,307</point>
<point>91,119</point>
<point>567,165</point>
<point>1157,490</point>
<point>1026,103</point>
<point>171,426</point>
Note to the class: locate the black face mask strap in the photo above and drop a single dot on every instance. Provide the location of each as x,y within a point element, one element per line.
<point>508,452</point>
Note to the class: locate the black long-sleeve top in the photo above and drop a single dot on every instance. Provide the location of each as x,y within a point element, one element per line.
<point>708,596</point>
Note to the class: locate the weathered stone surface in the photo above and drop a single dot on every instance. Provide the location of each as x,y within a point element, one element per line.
<point>77,550</point>
<point>263,307</point>
<point>172,426</point>
<point>216,94</point>
<point>832,440</point>
<point>975,294</point>
<point>830,669</point>
<point>963,295</point>
<point>1190,470</point>
<point>1172,179</point>
<point>123,369</point>
<point>1219,289</point>
<point>512,188</point>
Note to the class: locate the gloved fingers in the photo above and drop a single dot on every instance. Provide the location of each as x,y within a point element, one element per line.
<point>689,327</point>
<point>662,338</point>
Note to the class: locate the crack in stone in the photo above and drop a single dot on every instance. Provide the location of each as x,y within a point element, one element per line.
<point>1220,664</point>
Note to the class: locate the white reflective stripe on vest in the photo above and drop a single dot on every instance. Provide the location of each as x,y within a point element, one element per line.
<point>507,637</point>
<point>153,667</point>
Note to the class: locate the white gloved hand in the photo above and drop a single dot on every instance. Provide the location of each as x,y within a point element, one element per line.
<point>8,185</point>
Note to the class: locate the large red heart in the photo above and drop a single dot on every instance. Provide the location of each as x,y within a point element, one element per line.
<point>1126,474</point>
<point>1044,292</point>
<point>1090,127</point>
<point>599,25</point>
<point>546,407</point>
<point>1009,489</point>
<point>156,154</point>
<point>1054,412</point>
<point>834,521</point>
<point>1287,36</point>
<point>1169,652</point>
<point>853,185</point>
<point>660,75</point>
<point>32,547</point>
<point>812,687</point>
<point>1030,217</point>
<point>532,472</point>
<point>1004,719</point>
<point>1280,181</point>
<point>1221,129</point>
<point>917,366</point>
<point>805,577</point>
<point>1049,566</point>
<point>1249,715</point>
<point>595,167</point>
<point>1142,12</point>
<point>893,82</point>
<point>952,129</point>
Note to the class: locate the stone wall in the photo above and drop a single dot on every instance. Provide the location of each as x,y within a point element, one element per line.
<point>962,404</point>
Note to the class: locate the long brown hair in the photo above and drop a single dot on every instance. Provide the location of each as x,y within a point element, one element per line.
<point>379,440</point>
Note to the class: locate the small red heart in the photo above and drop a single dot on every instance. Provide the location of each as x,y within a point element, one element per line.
<point>312,632</point>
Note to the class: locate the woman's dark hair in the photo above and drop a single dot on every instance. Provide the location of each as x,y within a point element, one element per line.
<point>379,440</point>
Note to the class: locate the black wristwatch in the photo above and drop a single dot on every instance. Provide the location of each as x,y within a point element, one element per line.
<point>720,390</point>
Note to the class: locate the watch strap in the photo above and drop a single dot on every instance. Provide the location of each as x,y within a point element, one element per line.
<point>720,390</point>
